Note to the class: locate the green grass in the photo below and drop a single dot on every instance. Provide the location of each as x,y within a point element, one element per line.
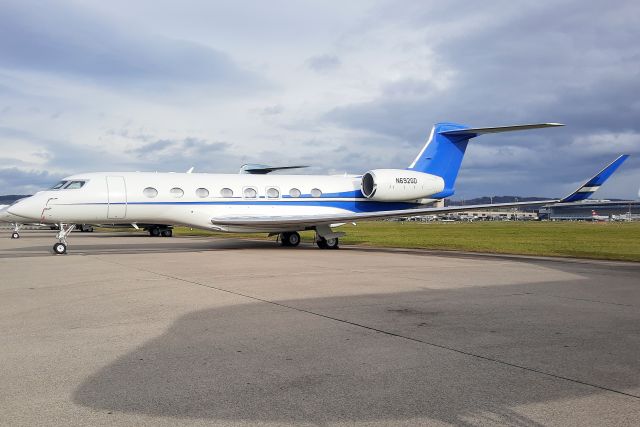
<point>613,241</point>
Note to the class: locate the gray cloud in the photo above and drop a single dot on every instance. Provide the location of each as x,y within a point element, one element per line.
<point>395,71</point>
<point>322,63</point>
<point>550,62</point>
<point>20,181</point>
<point>74,41</point>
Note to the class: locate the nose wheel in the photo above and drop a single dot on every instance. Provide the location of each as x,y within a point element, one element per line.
<point>60,248</point>
<point>16,229</point>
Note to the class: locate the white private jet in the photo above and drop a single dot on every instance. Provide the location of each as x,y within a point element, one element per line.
<point>255,201</point>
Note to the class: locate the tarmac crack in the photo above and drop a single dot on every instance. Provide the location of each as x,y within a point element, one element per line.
<point>385,332</point>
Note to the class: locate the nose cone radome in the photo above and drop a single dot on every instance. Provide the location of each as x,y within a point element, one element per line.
<point>5,216</point>
<point>29,208</point>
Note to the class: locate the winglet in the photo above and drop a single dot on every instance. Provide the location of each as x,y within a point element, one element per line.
<point>588,188</point>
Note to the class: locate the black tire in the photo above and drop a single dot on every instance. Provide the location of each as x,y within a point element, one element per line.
<point>327,243</point>
<point>15,235</point>
<point>284,239</point>
<point>154,232</point>
<point>333,243</point>
<point>59,249</point>
<point>293,239</point>
<point>166,233</point>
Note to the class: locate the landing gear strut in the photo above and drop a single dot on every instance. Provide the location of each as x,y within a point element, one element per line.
<point>290,239</point>
<point>326,238</point>
<point>16,229</point>
<point>60,248</point>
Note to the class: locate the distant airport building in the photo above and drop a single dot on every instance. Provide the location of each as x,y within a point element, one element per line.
<point>599,210</point>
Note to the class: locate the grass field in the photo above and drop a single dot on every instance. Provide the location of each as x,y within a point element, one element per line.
<point>597,240</point>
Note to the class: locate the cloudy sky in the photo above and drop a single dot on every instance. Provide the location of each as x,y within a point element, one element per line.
<point>339,85</point>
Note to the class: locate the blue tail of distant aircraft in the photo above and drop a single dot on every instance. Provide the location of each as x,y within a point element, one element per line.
<point>442,154</point>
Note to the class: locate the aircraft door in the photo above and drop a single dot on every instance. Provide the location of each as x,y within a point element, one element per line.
<point>117,190</point>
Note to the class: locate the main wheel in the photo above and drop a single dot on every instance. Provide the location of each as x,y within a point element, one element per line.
<point>167,233</point>
<point>59,249</point>
<point>327,243</point>
<point>290,239</point>
<point>154,232</point>
<point>15,235</point>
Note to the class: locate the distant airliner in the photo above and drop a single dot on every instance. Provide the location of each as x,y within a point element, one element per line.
<point>256,201</point>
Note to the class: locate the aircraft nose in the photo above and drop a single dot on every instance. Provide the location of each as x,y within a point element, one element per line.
<point>30,208</point>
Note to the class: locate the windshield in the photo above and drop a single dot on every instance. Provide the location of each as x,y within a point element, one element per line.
<point>74,185</point>
<point>59,185</point>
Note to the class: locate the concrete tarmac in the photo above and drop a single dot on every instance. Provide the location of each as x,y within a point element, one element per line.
<point>132,330</point>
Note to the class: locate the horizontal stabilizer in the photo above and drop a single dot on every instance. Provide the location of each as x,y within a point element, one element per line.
<point>588,188</point>
<point>472,132</point>
<point>265,169</point>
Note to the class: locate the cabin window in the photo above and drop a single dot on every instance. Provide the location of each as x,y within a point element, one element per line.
<point>250,193</point>
<point>74,185</point>
<point>273,193</point>
<point>294,192</point>
<point>150,192</point>
<point>59,185</point>
<point>176,192</point>
<point>202,193</point>
<point>226,192</point>
<point>316,192</point>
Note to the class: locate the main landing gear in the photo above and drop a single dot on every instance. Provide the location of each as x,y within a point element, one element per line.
<point>60,248</point>
<point>157,231</point>
<point>323,241</point>
<point>290,239</point>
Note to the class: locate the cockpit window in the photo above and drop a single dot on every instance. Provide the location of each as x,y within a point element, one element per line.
<point>74,185</point>
<point>59,185</point>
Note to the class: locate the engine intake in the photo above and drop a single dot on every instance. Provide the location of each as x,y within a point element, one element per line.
<point>396,185</point>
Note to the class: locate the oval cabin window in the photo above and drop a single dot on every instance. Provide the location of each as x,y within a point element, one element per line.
<point>250,193</point>
<point>150,192</point>
<point>316,192</point>
<point>294,192</point>
<point>202,192</point>
<point>176,192</point>
<point>273,193</point>
<point>226,192</point>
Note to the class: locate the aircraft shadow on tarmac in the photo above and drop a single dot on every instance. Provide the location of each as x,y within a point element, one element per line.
<point>263,362</point>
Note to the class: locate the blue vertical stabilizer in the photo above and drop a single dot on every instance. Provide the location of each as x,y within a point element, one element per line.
<point>442,155</point>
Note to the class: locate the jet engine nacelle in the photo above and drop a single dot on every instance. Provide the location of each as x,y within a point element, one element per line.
<point>396,185</point>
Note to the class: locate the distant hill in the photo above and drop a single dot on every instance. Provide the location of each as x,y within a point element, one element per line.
<point>10,198</point>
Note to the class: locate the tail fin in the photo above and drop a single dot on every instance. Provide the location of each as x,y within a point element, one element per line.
<point>442,154</point>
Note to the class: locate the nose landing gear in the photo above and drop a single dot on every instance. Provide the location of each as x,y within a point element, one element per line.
<point>16,230</point>
<point>60,248</point>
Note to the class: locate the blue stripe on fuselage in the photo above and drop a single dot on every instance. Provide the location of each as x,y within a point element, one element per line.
<point>351,205</point>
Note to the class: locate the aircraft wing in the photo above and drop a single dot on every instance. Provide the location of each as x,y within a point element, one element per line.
<point>256,169</point>
<point>312,220</point>
<point>584,191</point>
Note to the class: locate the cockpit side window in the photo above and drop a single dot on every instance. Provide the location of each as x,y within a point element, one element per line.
<point>59,185</point>
<point>74,185</point>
